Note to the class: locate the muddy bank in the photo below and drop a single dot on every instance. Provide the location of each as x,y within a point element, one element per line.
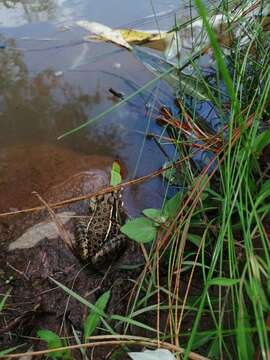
<point>33,250</point>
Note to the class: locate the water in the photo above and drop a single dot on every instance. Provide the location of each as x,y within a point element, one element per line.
<point>52,81</point>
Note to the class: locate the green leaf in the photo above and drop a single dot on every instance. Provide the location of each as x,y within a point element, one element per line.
<point>156,215</point>
<point>116,177</point>
<point>261,142</point>
<point>195,239</point>
<point>4,299</point>
<point>93,318</point>
<point>10,350</point>
<point>142,230</point>
<point>263,193</point>
<point>223,282</point>
<point>172,206</point>
<point>256,293</point>
<point>172,175</point>
<point>53,341</point>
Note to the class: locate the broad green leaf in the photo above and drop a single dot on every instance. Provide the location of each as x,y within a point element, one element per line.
<point>94,317</point>
<point>172,206</point>
<point>156,215</point>
<point>116,177</point>
<point>142,230</point>
<point>223,282</point>
<point>53,341</point>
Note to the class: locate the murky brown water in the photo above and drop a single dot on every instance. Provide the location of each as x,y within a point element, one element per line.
<point>52,81</point>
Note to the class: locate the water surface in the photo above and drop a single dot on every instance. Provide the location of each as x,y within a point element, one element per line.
<point>52,81</point>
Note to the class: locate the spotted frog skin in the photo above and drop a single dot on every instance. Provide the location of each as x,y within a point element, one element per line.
<point>98,237</point>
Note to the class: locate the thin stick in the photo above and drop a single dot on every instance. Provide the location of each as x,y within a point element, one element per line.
<point>111,340</point>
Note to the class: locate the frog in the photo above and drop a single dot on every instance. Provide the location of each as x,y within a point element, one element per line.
<point>98,237</point>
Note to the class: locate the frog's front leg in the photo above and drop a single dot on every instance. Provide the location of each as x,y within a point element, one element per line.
<point>110,248</point>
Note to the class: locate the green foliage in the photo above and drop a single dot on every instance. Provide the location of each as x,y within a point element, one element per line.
<point>116,177</point>
<point>261,142</point>
<point>153,214</point>
<point>222,282</point>
<point>93,318</point>
<point>53,342</point>
<point>144,229</point>
<point>173,205</point>
<point>4,299</point>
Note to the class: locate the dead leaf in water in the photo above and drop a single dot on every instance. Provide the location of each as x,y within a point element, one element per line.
<point>104,32</point>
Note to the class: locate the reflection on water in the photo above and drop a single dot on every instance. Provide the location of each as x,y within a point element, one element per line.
<point>28,11</point>
<point>45,105</point>
<point>49,87</point>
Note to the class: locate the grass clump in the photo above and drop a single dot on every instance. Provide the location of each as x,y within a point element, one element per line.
<point>204,291</point>
<point>214,255</point>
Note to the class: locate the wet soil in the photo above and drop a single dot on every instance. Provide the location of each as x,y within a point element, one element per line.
<point>35,302</point>
<point>52,86</point>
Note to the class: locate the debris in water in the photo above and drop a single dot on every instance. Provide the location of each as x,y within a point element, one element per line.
<point>104,32</point>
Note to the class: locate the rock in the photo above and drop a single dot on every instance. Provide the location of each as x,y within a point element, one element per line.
<point>45,229</point>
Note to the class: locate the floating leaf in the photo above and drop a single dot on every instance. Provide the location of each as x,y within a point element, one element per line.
<point>223,282</point>
<point>142,230</point>
<point>151,38</point>
<point>104,32</point>
<point>53,341</point>
<point>116,177</point>
<point>93,318</point>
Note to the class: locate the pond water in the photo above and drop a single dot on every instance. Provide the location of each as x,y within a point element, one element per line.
<point>52,81</point>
